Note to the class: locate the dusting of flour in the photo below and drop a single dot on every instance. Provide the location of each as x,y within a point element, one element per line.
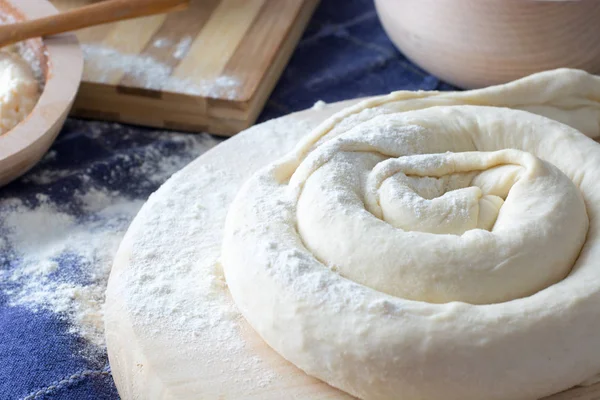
<point>174,260</point>
<point>56,250</point>
<point>190,305</point>
<point>105,64</point>
<point>49,242</point>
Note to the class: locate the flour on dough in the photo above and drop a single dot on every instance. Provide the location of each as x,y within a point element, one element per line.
<point>438,245</point>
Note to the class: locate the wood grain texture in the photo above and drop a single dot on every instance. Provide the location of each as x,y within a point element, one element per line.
<point>61,62</point>
<point>472,43</point>
<point>86,16</point>
<point>153,355</point>
<point>209,68</point>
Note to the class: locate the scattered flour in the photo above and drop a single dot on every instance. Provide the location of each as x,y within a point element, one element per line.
<point>162,42</point>
<point>49,241</point>
<point>163,302</point>
<point>104,64</point>
<point>56,256</point>
<point>182,47</point>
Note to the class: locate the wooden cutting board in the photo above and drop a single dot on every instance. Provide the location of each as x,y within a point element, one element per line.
<point>210,68</point>
<point>168,336</point>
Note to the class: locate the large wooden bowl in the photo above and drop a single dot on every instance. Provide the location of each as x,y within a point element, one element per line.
<point>474,43</point>
<point>61,64</point>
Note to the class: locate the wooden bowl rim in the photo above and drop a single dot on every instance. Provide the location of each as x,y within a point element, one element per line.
<point>64,68</point>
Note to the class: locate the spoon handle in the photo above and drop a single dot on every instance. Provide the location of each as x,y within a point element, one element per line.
<point>83,17</point>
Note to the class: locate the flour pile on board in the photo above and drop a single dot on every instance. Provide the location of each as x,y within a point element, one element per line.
<point>56,254</point>
<point>105,65</point>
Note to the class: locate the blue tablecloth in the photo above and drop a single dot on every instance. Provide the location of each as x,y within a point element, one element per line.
<point>60,224</point>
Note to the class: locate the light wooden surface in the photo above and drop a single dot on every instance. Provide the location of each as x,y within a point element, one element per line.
<point>473,43</point>
<point>209,68</point>
<point>61,61</point>
<point>154,352</point>
<point>91,15</point>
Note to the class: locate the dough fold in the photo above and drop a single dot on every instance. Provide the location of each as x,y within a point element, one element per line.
<point>433,245</point>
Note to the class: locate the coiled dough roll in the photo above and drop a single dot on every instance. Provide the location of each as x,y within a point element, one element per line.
<point>432,245</point>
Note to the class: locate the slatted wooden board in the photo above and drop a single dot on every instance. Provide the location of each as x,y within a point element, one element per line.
<point>209,68</point>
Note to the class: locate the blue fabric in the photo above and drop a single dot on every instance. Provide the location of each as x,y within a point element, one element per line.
<point>343,54</point>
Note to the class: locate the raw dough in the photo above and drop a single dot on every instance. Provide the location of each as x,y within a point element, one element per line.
<point>374,260</point>
<point>166,285</point>
<point>19,89</point>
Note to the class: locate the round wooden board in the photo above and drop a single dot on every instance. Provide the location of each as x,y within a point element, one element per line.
<point>169,335</point>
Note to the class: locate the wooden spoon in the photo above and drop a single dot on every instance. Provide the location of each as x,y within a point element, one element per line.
<point>83,17</point>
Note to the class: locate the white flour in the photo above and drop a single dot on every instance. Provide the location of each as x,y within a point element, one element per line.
<point>163,302</point>
<point>25,51</point>
<point>173,286</point>
<point>103,64</point>
<point>50,240</point>
<point>182,47</point>
<point>59,255</point>
<point>161,43</point>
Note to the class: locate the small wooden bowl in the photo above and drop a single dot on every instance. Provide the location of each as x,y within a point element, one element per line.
<point>474,43</point>
<point>61,63</point>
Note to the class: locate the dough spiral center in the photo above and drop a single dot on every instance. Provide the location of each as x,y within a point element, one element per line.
<point>437,245</point>
<point>469,226</point>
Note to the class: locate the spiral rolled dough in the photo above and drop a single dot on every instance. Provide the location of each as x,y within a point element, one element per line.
<point>426,245</point>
